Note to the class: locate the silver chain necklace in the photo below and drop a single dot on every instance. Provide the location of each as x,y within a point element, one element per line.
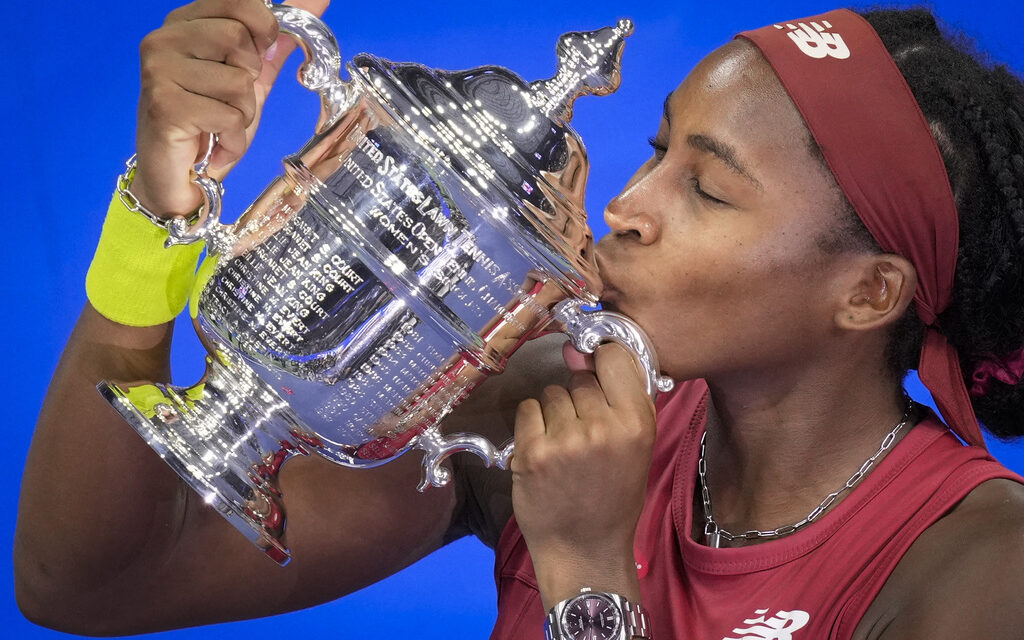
<point>714,534</point>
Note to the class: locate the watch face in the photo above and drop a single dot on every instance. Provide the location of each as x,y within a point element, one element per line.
<point>591,617</point>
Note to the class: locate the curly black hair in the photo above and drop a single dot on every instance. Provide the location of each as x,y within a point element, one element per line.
<point>975,112</point>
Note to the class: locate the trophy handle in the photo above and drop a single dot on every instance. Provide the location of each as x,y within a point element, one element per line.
<point>320,72</point>
<point>208,226</point>
<point>437,447</point>
<point>587,330</point>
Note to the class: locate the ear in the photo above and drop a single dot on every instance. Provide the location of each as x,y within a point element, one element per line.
<point>882,290</point>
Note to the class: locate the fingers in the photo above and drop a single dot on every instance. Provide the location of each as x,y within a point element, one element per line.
<point>623,383</point>
<point>618,374</point>
<point>576,453</point>
<point>558,409</point>
<point>215,58</point>
<point>198,77</point>
<point>254,15</point>
<point>529,423</point>
<point>588,399</point>
<point>215,39</point>
<point>575,360</point>
<point>614,385</point>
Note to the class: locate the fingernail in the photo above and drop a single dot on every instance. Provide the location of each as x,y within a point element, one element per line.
<point>271,50</point>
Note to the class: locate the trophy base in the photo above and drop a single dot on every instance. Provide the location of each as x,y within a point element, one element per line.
<point>226,436</point>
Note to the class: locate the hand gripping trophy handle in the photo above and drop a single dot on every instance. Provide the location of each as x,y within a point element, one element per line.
<point>320,73</point>
<point>433,223</point>
<point>587,330</point>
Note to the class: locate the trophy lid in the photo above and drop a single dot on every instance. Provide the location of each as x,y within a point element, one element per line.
<point>502,133</point>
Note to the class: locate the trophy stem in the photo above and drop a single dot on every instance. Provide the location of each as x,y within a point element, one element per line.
<point>226,436</point>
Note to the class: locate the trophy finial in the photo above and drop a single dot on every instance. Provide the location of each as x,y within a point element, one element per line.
<point>588,63</point>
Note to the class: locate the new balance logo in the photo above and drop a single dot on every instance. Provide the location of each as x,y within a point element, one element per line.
<point>815,42</point>
<point>778,627</point>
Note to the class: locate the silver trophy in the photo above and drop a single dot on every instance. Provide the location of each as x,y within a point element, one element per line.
<point>432,224</point>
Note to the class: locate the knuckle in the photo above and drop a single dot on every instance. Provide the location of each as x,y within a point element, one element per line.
<point>237,34</point>
<point>582,378</point>
<point>265,25</point>
<point>613,352</point>
<point>157,101</point>
<point>238,92</point>
<point>524,462</point>
<point>256,17</point>
<point>528,407</point>
<point>236,120</point>
<point>640,433</point>
<point>152,43</point>
<point>248,114</point>
<point>149,72</point>
<point>177,15</point>
<point>538,458</point>
<point>551,393</point>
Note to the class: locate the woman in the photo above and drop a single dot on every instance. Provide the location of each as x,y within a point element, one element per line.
<point>737,251</point>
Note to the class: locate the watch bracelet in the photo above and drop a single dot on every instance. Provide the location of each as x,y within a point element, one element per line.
<point>637,624</point>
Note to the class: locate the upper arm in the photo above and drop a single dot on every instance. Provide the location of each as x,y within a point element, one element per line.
<point>110,541</point>
<point>346,528</point>
<point>962,578</point>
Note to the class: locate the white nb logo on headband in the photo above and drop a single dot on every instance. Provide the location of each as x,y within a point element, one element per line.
<point>815,42</point>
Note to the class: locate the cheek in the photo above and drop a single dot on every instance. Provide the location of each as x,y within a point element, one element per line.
<point>737,295</point>
<point>725,260</point>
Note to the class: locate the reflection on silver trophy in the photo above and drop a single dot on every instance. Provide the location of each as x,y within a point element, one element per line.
<point>432,224</point>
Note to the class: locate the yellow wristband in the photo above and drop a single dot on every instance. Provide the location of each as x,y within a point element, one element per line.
<point>133,279</point>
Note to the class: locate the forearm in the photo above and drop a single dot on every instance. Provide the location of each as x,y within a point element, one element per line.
<point>562,575</point>
<point>95,498</point>
<point>579,477</point>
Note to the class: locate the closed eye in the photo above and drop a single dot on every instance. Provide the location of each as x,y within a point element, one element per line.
<point>659,152</point>
<point>659,149</point>
<point>695,183</point>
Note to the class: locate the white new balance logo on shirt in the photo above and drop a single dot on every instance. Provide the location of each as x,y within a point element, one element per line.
<point>778,627</point>
<point>814,41</point>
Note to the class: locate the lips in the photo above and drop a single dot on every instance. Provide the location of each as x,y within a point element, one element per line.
<point>610,293</point>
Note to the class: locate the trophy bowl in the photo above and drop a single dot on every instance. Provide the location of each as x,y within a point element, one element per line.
<point>432,224</point>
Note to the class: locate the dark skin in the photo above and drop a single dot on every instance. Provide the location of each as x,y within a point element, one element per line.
<point>720,241</point>
<point>714,250</point>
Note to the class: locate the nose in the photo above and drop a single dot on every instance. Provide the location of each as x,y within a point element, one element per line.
<point>632,213</point>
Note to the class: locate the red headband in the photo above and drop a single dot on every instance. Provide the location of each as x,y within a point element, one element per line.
<point>880,149</point>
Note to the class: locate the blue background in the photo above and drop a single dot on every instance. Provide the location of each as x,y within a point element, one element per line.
<point>70,82</point>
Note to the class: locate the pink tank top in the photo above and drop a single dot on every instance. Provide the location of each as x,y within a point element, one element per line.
<point>816,583</point>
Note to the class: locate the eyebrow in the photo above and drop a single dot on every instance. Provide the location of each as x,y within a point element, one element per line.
<point>723,152</point>
<point>664,107</point>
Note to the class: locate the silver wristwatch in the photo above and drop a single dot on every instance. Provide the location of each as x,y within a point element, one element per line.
<point>597,615</point>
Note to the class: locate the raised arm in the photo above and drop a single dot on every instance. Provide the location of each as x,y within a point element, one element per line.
<point>108,539</point>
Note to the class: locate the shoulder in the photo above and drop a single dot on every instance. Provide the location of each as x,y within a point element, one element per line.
<point>962,577</point>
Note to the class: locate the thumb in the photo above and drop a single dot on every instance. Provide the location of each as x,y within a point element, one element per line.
<point>575,360</point>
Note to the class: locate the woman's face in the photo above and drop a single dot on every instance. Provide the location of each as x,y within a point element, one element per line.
<point>716,244</point>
